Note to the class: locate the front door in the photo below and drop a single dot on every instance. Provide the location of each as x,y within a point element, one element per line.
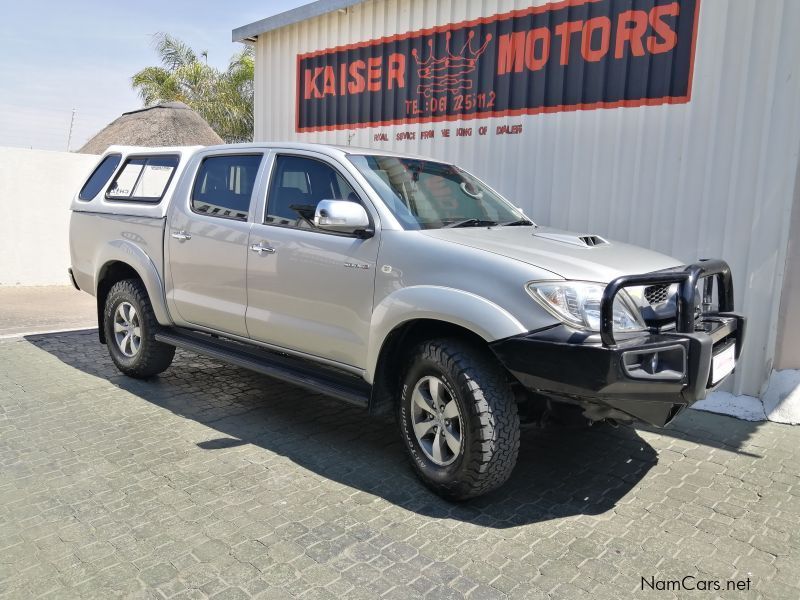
<point>309,290</point>
<point>207,239</point>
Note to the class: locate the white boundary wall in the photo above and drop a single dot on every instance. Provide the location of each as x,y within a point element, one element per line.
<point>36,188</point>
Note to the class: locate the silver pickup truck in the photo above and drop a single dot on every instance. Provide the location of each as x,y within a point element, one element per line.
<point>399,284</point>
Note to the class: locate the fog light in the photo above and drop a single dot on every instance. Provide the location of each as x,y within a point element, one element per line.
<point>668,363</point>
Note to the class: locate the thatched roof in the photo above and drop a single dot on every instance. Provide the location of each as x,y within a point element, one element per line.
<point>169,124</point>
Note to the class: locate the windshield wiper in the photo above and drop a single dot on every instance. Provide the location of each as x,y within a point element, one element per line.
<point>470,223</point>
<point>520,223</point>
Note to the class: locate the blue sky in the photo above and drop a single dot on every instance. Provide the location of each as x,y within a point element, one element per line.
<point>56,56</point>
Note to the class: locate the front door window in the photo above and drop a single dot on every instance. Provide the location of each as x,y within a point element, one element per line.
<point>298,185</point>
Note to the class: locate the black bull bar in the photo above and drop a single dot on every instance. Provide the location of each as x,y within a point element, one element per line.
<point>649,375</point>
<point>686,297</point>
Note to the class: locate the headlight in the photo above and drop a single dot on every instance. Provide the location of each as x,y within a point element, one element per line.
<point>577,303</point>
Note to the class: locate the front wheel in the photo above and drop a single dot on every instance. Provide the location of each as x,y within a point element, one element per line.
<point>458,419</point>
<point>130,328</point>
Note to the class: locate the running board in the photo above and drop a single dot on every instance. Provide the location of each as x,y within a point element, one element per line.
<point>311,376</point>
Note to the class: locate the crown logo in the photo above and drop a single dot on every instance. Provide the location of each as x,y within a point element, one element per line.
<point>447,73</point>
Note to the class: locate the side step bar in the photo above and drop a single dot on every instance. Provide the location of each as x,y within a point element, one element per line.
<point>303,373</point>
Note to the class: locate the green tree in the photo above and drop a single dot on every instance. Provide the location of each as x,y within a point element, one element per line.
<point>223,98</point>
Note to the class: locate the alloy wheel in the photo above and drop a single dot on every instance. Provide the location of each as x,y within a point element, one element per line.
<point>127,329</point>
<point>436,420</point>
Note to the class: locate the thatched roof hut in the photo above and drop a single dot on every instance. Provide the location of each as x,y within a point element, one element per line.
<point>168,124</point>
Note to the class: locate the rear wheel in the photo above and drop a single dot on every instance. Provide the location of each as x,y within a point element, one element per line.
<point>458,419</point>
<point>130,328</point>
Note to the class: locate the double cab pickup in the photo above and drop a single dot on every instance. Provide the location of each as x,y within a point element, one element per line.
<point>398,284</point>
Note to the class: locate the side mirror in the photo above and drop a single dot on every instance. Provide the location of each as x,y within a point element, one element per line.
<point>342,216</point>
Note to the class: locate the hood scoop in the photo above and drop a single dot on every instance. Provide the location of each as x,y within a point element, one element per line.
<point>583,241</point>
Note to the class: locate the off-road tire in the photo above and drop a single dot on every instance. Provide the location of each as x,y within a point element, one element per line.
<point>153,357</point>
<point>490,423</point>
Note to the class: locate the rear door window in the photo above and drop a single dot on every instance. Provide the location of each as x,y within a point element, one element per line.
<point>99,177</point>
<point>143,179</point>
<point>224,185</point>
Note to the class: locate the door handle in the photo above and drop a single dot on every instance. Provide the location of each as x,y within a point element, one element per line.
<point>181,235</point>
<point>259,248</point>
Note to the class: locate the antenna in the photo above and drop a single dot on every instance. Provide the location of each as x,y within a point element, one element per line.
<point>71,123</point>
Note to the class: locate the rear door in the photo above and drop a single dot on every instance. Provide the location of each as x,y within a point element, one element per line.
<point>308,290</point>
<point>207,235</point>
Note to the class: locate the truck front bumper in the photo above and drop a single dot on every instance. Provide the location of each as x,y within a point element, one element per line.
<point>648,376</point>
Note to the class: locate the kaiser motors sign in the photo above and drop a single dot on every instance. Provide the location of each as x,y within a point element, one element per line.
<point>569,55</point>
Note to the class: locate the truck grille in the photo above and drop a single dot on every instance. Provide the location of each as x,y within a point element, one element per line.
<point>657,294</point>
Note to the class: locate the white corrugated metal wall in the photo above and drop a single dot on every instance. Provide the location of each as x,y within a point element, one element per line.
<point>711,178</point>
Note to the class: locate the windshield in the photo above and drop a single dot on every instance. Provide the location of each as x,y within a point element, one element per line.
<point>424,194</point>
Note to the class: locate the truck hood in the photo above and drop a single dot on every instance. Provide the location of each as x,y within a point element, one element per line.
<point>585,257</point>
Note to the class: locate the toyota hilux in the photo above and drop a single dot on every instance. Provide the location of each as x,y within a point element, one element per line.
<point>398,284</point>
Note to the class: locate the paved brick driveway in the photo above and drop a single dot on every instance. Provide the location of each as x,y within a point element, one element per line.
<point>210,481</point>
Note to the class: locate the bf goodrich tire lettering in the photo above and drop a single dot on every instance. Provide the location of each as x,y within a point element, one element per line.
<point>130,328</point>
<point>489,441</point>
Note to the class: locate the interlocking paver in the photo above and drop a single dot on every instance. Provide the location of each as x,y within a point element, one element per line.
<point>213,482</point>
